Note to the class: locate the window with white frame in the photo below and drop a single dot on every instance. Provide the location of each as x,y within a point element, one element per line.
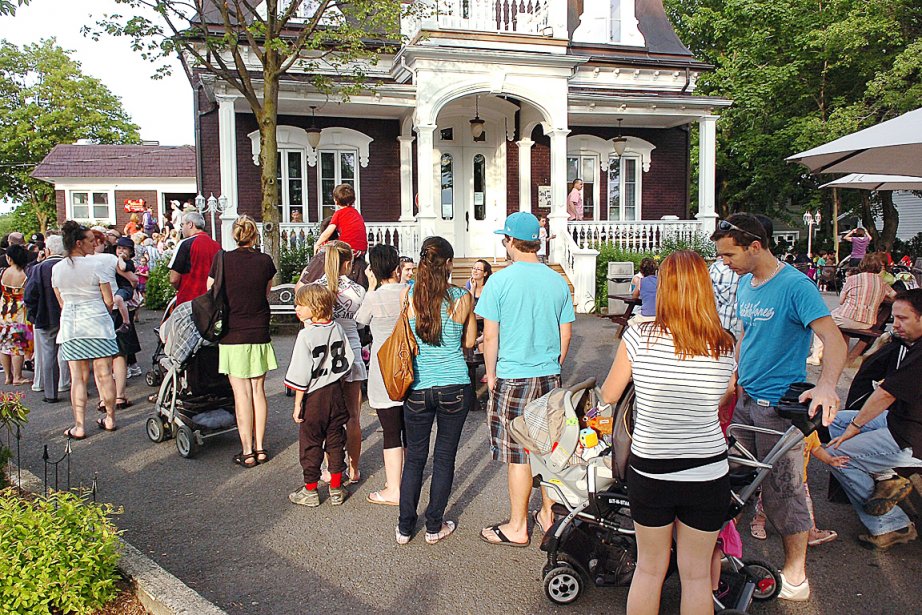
<point>291,185</point>
<point>89,205</point>
<point>586,168</point>
<point>339,166</point>
<point>624,183</point>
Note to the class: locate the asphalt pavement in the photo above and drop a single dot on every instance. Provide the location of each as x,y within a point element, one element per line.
<point>232,535</point>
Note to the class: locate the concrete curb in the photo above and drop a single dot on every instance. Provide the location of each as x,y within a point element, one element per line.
<point>160,592</point>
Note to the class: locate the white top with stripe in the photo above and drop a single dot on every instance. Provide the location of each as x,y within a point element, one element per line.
<point>677,403</point>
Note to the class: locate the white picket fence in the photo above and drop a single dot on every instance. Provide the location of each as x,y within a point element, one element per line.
<point>645,236</point>
<point>402,235</point>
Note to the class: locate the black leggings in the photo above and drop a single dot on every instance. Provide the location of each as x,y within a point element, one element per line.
<point>391,420</point>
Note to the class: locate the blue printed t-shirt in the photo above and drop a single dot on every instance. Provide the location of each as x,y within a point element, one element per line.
<point>529,301</point>
<point>437,366</point>
<point>648,295</point>
<point>776,321</point>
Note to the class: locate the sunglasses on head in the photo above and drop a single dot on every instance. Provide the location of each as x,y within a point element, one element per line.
<point>723,225</point>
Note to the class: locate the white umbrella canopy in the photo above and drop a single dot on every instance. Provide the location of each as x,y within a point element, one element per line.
<point>863,181</point>
<point>891,147</point>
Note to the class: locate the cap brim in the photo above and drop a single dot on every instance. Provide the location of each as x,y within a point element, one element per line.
<point>501,231</point>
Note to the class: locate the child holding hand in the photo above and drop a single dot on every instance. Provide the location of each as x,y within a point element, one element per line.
<point>320,359</point>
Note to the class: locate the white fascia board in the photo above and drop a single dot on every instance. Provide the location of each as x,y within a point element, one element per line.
<point>417,53</point>
<point>126,183</point>
<point>606,100</point>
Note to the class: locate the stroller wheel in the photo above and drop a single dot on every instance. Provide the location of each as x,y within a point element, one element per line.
<point>156,430</point>
<point>766,578</point>
<point>153,378</point>
<point>563,585</point>
<point>186,443</point>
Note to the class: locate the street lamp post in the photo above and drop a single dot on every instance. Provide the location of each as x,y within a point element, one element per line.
<point>211,205</point>
<point>810,220</point>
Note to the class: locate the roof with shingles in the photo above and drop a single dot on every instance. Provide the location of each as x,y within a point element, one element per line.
<point>117,161</point>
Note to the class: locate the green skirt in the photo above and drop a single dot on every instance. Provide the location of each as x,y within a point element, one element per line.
<point>246,360</point>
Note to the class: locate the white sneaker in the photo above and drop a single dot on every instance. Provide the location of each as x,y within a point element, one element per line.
<point>814,361</point>
<point>794,593</point>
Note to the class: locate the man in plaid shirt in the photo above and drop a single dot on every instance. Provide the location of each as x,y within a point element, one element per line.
<point>725,282</point>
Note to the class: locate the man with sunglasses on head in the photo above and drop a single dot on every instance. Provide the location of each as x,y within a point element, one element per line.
<point>780,310</point>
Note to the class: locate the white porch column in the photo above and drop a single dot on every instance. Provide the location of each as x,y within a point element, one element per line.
<point>227,140</point>
<point>406,179</point>
<point>707,163</point>
<point>558,217</point>
<point>525,174</point>
<point>425,173</point>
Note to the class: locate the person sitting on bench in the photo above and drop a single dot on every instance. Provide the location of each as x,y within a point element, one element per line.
<point>886,433</point>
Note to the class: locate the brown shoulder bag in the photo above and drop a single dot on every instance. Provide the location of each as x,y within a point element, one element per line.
<point>395,357</point>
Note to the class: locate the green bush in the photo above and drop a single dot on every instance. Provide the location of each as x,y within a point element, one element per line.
<point>913,248</point>
<point>159,289</point>
<point>293,260</point>
<point>608,253</point>
<point>57,554</point>
<point>13,413</point>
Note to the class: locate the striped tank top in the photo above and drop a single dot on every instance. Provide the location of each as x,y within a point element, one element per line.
<point>441,365</point>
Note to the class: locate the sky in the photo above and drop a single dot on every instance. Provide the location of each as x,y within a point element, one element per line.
<point>162,108</point>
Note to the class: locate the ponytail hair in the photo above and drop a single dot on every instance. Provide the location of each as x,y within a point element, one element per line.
<point>431,289</point>
<point>335,254</point>
<point>71,234</point>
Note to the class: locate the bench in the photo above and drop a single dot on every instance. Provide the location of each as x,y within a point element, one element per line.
<point>282,300</point>
<point>866,337</point>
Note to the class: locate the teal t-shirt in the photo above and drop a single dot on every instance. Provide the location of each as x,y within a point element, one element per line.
<point>444,365</point>
<point>529,301</point>
<point>776,321</point>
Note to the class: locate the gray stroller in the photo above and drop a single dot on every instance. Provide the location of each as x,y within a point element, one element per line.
<point>592,539</point>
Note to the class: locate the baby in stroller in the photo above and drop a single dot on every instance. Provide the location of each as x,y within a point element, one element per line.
<point>593,538</point>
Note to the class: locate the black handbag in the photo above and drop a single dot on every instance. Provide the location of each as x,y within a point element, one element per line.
<point>209,311</point>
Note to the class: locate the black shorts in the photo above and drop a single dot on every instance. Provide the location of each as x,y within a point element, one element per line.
<point>124,293</point>
<point>699,505</point>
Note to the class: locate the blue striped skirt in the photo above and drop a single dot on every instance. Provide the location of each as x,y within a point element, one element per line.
<point>83,349</point>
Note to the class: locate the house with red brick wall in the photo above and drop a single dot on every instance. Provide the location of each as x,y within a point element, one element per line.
<point>490,107</point>
<point>103,184</point>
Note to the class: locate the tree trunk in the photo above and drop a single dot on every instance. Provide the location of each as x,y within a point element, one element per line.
<point>268,155</point>
<point>891,219</point>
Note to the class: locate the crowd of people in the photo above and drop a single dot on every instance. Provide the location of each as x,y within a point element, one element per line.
<point>713,346</point>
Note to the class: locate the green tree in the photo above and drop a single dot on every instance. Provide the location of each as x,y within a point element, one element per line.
<point>800,73</point>
<point>7,7</point>
<point>45,100</point>
<point>331,43</point>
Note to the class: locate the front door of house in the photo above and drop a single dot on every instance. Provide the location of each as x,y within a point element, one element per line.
<point>470,199</point>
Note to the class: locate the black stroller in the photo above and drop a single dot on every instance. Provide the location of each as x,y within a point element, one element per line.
<point>194,402</point>
<point>154,375</point>
<point>592,539</point>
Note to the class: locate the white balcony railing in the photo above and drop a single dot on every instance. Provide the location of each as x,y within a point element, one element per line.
<point>402,235</point>
<point>646,236</point>
<point>521,16</point>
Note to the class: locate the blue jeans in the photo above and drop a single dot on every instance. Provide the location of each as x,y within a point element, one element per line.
<point>871,451</point>
<point>447,406</point>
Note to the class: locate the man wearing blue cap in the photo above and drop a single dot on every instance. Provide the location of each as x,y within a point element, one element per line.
<point>527,310</point>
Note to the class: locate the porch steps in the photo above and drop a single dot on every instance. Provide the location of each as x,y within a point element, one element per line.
<point>461,272</point>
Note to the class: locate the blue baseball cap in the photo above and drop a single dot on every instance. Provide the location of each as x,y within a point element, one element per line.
<point>521,225</point>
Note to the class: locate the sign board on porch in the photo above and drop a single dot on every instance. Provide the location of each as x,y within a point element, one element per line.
<point>544,197</point>
<point>134,206</point>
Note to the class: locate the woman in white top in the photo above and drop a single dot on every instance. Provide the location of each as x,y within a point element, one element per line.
<point>380,310</point>
<point>682,366</point>
<point>87,335</point>
<point>349,297</point>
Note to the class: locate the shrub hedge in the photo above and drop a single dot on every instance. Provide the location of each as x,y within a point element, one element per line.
<point>58,554</point>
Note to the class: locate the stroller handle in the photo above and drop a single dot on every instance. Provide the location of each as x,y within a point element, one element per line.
<point>588,383</point>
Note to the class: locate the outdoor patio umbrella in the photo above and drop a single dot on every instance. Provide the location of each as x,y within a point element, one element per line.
<point>862,181</point>
<point>893,147</point>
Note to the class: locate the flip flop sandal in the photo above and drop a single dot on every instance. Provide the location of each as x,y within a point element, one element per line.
<point>122,402</point>
<point>101,423</point>
<point>68,433</point>
<point>375,498</point>
<point>538,525</point>
<point>448,527</point>
<point>503,540</point>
